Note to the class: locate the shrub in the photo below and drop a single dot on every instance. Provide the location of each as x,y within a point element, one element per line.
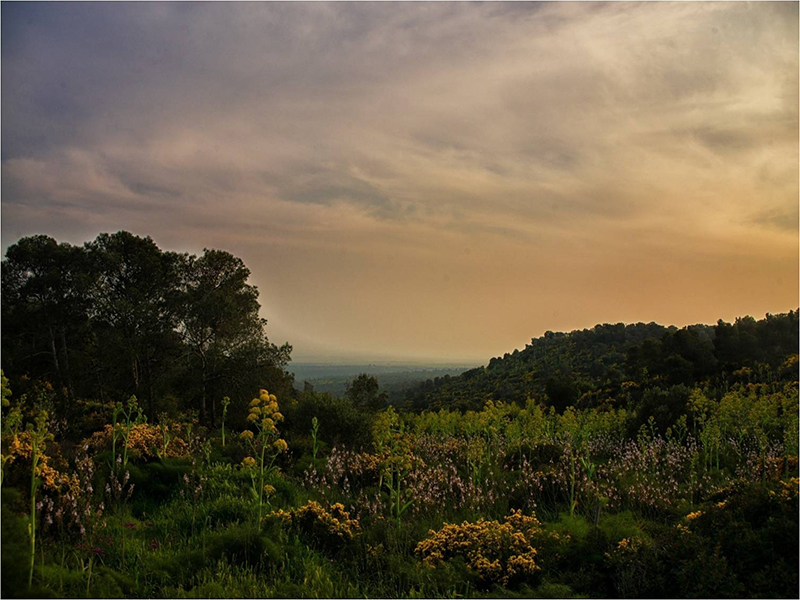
<point>329,529</point>
<point>496,552</point>
<point>146,441</point>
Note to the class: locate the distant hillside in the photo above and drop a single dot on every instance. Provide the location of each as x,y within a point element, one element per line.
<point>607,363</point>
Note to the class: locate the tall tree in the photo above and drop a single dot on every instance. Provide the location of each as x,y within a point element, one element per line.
<point>363,393</point>
<point>44,287</point>
<point>135,299</point>
<point>221,324</point>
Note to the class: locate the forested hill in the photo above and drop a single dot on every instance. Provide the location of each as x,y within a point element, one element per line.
<point>609,363</point>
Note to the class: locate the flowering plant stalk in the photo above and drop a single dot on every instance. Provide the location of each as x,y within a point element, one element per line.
<point>314,432</point>
<point>225,402</point>
<point>39,436</point>
<point>11,423</point>
<point>394,445</point>
<point>265,444</point>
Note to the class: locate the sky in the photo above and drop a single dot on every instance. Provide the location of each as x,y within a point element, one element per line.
<point>422,182</point>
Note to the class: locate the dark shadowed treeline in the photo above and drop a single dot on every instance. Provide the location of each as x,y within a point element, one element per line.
<point>118,316</point>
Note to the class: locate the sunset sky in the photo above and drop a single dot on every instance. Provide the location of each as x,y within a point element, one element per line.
<point>422,181</point>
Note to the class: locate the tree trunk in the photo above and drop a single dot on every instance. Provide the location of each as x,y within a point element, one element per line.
<point>54,354</point>
<point>135,372</point>
<point>203,398</point>
<point>70,394</point>
<point>150,402</point>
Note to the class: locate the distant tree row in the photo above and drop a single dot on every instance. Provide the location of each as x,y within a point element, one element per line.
<point>609,363</point>
<point>119,316</point>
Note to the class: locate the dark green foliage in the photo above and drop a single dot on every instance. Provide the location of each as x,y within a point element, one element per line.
<point>561,391</point>
<point>159,480</point>
<point>587,368</point>
<point>120,316</point>
<point>340,422</point>
<point>15,548</point>
<point>664,406</point>
<point>363,393</point>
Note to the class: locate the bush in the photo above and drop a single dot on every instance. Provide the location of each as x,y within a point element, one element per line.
<point>495,552</point>
<point>330,529</point>
<point>339,421</point>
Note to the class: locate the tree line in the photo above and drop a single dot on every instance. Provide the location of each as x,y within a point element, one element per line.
<point>118,316</point>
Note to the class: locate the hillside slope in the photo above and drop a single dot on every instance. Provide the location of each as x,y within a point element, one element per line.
<point>608,363</point>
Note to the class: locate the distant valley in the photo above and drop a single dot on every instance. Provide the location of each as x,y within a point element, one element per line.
<point>394,379</point>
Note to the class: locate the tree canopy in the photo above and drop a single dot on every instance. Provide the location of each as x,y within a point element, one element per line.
<point>120,316</point>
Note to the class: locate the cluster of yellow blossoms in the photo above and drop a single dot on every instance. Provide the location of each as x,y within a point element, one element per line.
<point>628,549</point>
<point>20,446</point>
<point>327,527</point>
<point>264,415</point>
<point>788,489</point>
<point>145,441</point>
<point>496,552</point>
<point>264,411</point>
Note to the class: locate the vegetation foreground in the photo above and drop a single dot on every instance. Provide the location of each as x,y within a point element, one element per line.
<point>640,462</point>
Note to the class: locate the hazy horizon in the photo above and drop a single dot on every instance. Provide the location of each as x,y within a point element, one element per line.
<point>422,181</point>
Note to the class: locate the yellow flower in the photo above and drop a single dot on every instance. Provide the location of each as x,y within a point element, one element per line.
<point>255,411</point>
<point>693,515</point>
<point>249,461</point>
<point>246,435</point>
<point>273,397</point>
<point>252,418</point>
<point>278,416</point>
<point>268,489</point>
<point>280,445</point>
<point>254,402</point>
<point>267,424</point>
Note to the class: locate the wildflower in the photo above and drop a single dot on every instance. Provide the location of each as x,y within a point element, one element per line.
<point>252,418</point>
<point>246,435</point>
<point>268,489</point>
<point>249,461</point>
<point>280,445</point>
<point>693,515</point>
<point>254,402</point>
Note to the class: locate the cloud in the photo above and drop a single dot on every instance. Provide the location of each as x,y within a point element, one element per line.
<point>393,169</point>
